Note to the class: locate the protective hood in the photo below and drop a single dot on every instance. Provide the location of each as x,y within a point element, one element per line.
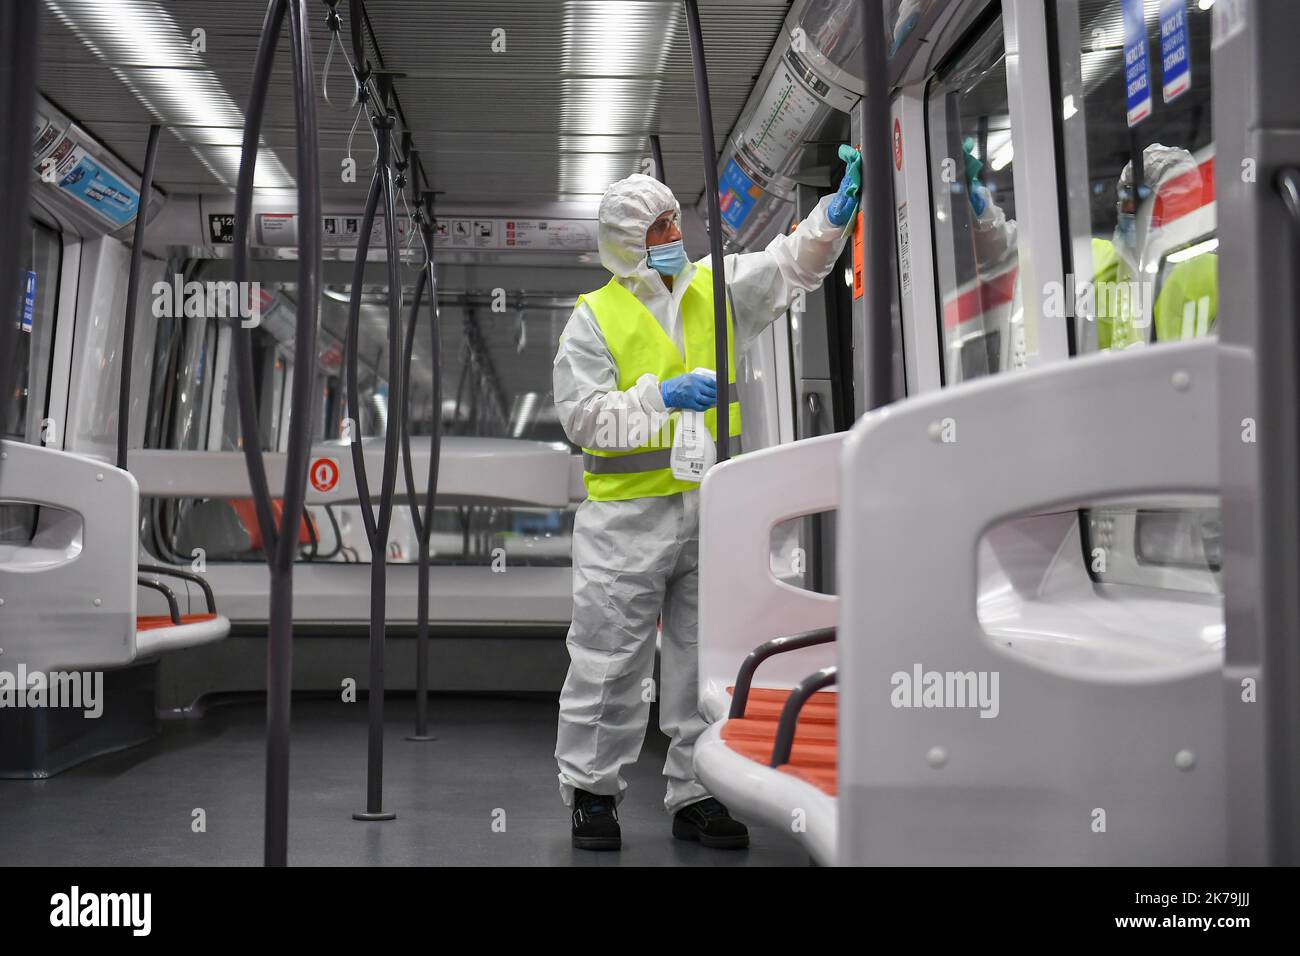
<point>627,209</point>
<point>1164,169</point>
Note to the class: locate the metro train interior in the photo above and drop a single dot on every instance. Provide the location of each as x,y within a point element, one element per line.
<point>298,535</point>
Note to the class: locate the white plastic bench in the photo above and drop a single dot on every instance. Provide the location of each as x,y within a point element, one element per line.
<point>963,557</point>
<point>71,596</point>
<point>1108,743</point>
<point>743,605</point>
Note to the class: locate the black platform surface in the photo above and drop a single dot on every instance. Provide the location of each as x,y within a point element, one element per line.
<point>492,761</point>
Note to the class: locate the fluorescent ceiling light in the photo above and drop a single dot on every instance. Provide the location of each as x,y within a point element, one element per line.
<point>610,48</point>
<point>153,57</point>
<point>1191,252</point>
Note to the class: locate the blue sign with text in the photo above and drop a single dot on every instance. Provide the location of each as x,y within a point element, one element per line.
<point>29,302</point>
<point>1137,72</point>
<point>1175,51</point>
<point>99,189</point>
<point>737,195</point>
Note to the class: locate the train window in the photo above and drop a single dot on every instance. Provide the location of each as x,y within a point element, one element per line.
<point>1140,197</point>
<point>495,383</point>
<point>23,412</point>
<point>226,530</point>
<point>969,130</point>
<point>797,550</point>
<point>1138,175</point>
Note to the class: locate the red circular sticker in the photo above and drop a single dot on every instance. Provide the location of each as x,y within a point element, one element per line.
<point>324,474</point>
<point>898,145</point>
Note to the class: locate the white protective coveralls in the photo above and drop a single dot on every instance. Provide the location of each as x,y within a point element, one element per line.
<point>636,558</point>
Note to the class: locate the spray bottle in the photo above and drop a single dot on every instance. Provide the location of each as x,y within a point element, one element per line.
<point>694,452</point>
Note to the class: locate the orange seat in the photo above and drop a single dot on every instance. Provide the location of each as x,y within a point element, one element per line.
<point>151,622</point>
<point>814,756</point>
<point>246,511</point>
<point>765,703</point>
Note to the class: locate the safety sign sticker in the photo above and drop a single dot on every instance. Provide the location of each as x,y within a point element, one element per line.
<point>1175,51</point>
<point>1137,72</point>
<point>736,195</point>
<point>462,235</point>
<point>29,302</point>
<point>324,474</point>
<point>904,251</point>
<point>343,231</point>
<point>278,228</point>
<point>549,234</point>
<point>564,235</point>
<point>221,228</point>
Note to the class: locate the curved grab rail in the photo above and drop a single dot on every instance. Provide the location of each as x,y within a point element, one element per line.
<point>173,606</point>
<point>789,723</point>
<point>208,596</point>
<point>777,645</point>
<point>281,549</point>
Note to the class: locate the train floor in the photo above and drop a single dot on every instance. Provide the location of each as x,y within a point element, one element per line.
<point>483,793</point>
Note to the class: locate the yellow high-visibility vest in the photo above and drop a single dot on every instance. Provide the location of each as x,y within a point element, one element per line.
<point>639,345</point>
<point>1186,308</point>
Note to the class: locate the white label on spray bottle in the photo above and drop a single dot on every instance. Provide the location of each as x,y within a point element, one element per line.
<point>694,452</point>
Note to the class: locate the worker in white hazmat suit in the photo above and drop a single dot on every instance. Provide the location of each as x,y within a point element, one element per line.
<point>623,369</point>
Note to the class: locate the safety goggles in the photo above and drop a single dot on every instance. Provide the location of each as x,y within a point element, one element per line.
<point>661,228</point>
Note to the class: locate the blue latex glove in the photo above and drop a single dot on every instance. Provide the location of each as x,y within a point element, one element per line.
<point>976,191</point>
<point>845,202</point>
<point>901,30</point>
<point>692,391</point>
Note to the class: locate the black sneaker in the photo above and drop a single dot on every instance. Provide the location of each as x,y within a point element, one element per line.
<point>595,822</point>
<point>709,822</point>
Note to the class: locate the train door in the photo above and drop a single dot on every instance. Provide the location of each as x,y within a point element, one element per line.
<point>1139,204</point>
<point>30,414</point>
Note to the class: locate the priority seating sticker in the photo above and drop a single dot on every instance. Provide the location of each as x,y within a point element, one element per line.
<point>324,474</point>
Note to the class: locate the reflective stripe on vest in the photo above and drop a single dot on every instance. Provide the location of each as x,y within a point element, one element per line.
<point>639,344</point>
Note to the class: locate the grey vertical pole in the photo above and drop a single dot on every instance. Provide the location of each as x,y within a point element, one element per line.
<point>1256,114</point>
<point>705,111</point>
<point>877,210</point>
<point>132,293</point>
<point>281,543</point>
<point>657,152</point>
<point>423,525</point>
<point>19,34</point>
<point>374,811</point>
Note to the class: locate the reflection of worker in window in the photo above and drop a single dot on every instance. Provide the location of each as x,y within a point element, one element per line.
<point>995,284</point>
<point>994,234</point>
<point>1188,299</point>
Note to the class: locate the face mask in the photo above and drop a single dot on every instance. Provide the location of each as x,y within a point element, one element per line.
<point>1126,228</point>
<point>668,258</point>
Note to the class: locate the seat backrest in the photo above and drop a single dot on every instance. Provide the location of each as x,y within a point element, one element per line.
<point>70,591</point>
<point>742,604</point>
<point>947,782</point>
